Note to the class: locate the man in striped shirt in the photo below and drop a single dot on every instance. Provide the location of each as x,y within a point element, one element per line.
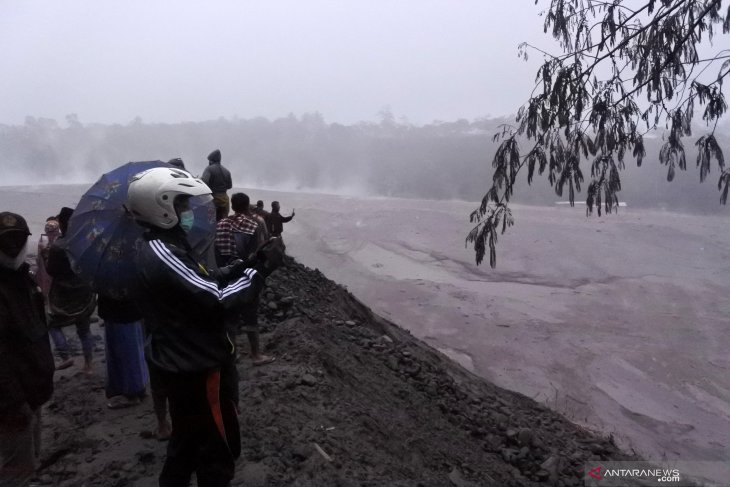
<point>239,236</point>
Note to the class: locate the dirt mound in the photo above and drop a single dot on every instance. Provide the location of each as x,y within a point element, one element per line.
<point>352,400</point>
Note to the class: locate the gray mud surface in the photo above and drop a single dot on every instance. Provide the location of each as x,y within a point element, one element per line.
<point>352,400</point>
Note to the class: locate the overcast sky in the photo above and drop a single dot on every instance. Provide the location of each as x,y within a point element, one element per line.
<point>172,61</point>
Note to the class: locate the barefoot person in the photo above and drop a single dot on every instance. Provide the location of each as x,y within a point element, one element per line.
<point>26,362</point>
<point>126,370</point>
<point>71,301</point>
<point>184,306</point>
<point>159,394</point>
<point>238,237</point>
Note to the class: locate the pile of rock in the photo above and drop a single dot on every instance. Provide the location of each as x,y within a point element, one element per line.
<point>352,400</point>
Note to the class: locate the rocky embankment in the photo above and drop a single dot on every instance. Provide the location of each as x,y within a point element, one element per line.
<point>352,400</point>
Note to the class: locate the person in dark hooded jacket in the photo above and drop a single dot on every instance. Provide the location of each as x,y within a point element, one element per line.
<point>218,179</point>
<point>26,362</point>
<point>184,305</point>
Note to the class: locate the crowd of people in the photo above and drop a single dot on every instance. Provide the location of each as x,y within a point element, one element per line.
<point>174,337</point>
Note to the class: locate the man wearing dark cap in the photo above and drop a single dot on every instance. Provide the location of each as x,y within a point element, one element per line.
<point>218,179</point>
<point>276,220</point>
<point>259,210</point>
<point>26,362</point>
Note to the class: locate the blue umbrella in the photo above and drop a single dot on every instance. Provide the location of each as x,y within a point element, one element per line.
<point>103,239</point>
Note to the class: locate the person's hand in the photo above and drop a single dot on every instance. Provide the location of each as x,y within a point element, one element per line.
<point>234,270</point>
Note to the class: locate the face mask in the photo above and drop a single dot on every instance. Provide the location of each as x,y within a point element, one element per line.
<point>16,262</point>
<point>187,218</point>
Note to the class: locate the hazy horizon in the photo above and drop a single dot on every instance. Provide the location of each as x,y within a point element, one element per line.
<point>396,99</point>
<point>438,161</point>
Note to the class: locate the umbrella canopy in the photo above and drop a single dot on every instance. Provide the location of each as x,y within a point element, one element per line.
<point>103,239</point>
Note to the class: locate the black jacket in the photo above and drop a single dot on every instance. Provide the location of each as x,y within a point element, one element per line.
<point>70,299</point>
<point>26,362</point>
<point>217,177</point>
<point>275,223</point>
<point>184,304</point>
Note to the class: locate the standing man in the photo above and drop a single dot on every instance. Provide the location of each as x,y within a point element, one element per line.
<point>259,210</point>
<point>26,362</point>
<point>276,220</point>
<point>52,232</point>
<point>71,301</point>
<point>184,305</point>
<point>239,237</point>
<point>218,179</point>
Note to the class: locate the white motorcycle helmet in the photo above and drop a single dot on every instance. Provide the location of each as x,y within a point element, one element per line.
<point>151,195</point>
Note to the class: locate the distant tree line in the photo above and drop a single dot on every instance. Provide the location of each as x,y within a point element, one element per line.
<point>385,158</point>
<point>440,160</point>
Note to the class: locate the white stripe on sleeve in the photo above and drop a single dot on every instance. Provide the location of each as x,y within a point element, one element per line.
<point>172,261</point>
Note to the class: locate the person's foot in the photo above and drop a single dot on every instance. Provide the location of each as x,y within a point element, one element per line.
<point>88,364</point>
<point>121,402</point>
<point>263,359</point>
<point>65,364</point>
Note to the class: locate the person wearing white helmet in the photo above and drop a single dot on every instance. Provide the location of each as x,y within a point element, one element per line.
<point>184,304</point>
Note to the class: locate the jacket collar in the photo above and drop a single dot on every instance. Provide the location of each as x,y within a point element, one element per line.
<point>175,236</point>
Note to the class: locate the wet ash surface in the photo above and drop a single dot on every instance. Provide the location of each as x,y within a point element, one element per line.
<point>352,400</point>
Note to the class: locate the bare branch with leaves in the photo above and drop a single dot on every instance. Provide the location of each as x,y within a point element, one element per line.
<point>573,117</point>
